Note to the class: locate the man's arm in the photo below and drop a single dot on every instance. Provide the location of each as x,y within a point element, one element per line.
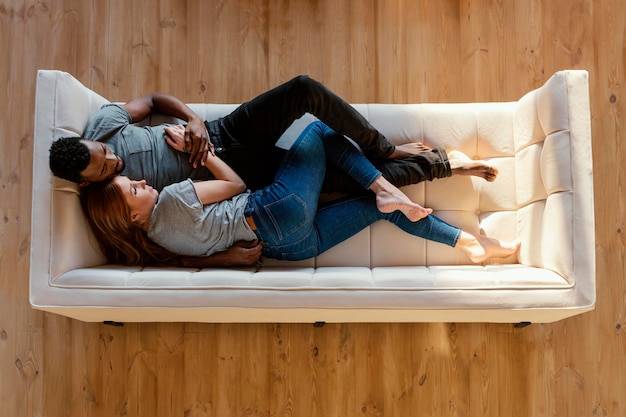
<point>240,254</point>
<point>195,131</point>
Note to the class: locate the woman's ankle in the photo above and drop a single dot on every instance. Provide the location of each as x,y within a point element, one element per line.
<point>480,248</point>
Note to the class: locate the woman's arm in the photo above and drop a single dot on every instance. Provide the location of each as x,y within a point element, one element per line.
<point>226,184</point>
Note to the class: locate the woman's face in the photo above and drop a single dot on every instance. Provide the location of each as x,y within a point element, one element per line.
<point>139,196</point>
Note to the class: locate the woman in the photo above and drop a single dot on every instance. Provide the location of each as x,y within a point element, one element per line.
<point>137,225</point>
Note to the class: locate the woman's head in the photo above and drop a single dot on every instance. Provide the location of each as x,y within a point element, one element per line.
<point>139,197</point>
<point>118,225</point>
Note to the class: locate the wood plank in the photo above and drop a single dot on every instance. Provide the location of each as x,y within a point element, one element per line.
<point>367,51</point>
<point>98,50</point>
<point>21,351</point>
<point>296,360</point>
<point>141,386</point>
<point>170,357</point>
<point>336,371</point>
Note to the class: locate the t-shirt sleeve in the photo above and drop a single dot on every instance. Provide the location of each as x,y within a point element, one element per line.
<point>106,122</point>
<point>176,218</point>
<point>177,196</point>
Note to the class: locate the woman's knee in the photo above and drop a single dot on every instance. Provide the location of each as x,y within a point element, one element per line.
<point>314,131</point>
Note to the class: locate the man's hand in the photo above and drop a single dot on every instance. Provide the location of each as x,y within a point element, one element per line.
<point>183,139</point>
<point>197,142</point>
<point>244,253</point>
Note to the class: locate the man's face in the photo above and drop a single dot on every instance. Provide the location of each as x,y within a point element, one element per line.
<point>103,163</point>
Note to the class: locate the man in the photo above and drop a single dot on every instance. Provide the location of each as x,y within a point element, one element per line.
<point>245,139</point>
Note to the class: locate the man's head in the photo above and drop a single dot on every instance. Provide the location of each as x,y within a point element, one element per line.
<point>83,161</point>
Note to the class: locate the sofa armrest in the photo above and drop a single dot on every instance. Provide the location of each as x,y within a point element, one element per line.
<point>63,107</point>
<point>552,132</point>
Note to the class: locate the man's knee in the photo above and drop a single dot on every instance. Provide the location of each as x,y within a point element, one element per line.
<point>305,84</point>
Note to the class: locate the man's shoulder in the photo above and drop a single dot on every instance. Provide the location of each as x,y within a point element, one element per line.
<point>106,121</point>
<point>111,113</point>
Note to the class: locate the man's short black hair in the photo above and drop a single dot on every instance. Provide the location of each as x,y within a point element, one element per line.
<point>68,158</point>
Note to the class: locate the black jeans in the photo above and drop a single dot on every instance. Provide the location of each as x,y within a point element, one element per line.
<point>246,138</point>
<point>425,166</point>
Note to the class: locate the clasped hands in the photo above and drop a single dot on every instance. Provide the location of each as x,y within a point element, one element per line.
<point>192,139</point>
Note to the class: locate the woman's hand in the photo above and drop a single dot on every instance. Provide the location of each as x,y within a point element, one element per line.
<point>175,137</point>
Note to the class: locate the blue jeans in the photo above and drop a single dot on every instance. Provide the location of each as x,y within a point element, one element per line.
<point>286,213</point>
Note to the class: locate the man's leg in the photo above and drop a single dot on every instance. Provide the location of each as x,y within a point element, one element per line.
<point>424,166</point>
<point>461,164</point>
<point>257,167</point>
<point>261,121</point>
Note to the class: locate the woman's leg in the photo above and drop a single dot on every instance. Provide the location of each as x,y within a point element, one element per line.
<point>261,121</point>
<point>341,153</point>
<point>285,210</point>
<point>344,218</point>
<point>425,166</point>
<point>292,228</point>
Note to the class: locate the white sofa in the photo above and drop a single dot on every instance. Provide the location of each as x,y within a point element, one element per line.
<point>541,145</point>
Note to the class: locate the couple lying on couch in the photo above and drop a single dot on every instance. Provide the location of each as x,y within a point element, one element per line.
<point>196,217</point>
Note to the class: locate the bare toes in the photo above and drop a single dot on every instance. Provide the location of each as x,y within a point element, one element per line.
<point>414,148</point>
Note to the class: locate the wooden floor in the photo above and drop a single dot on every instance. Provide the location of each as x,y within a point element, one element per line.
<point>367,51</point>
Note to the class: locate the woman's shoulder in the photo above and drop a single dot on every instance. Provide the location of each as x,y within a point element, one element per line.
<point>177,195</point>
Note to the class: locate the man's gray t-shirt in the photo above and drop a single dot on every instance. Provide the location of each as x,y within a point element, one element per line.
<point>182,224</point>
<point>143,149</point>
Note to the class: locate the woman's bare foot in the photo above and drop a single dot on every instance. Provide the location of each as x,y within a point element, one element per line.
<point>389,199</point>
<point>461,164</point>
<point>479,248</point>
<point>407,149</point>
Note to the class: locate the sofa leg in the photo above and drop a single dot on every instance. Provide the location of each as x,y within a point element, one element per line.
<point>319,324</point>
<point>113,323</point>
<point>522,324</point>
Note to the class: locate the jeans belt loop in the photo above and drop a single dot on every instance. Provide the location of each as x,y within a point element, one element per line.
<point>213,127</point>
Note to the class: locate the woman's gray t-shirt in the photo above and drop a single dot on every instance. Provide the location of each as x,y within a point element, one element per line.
<point>182,224</point>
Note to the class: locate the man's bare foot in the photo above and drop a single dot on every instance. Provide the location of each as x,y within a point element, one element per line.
<point>407,149</point>
<point>389,199</point>
<point>479,248</point>
<point>461,164</point>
